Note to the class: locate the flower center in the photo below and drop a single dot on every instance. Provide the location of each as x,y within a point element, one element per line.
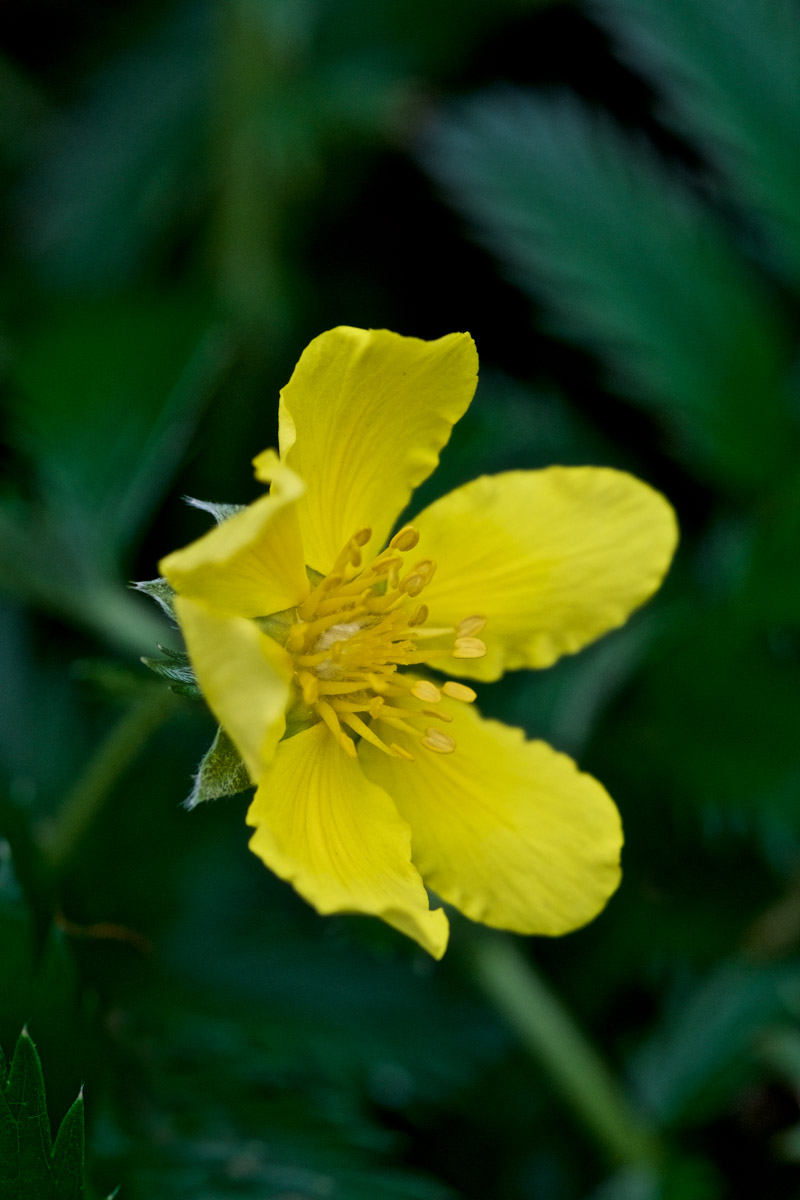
<point>355,631</point>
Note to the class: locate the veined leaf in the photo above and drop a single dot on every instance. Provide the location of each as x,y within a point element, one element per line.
<point>631,264</point>
<point>730,72</point>
<point>31,1168</point>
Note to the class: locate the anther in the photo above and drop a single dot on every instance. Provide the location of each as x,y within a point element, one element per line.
<point>362,537</point>
<point>405,539</point>
<point>439,714</point>
<point>424,690</point>
<point>470,626</point>
<point>469,647</point>
<point>310,686</point>
<point>419,616</point>
<point>412,585</point>
<point>459,691</point>
<point>439,742</point>
<point>426,568</point>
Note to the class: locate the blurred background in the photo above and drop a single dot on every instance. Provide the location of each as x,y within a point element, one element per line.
<point>607,195</point>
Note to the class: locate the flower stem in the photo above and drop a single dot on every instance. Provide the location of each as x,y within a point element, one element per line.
<point>551,1037</point>
<point>89,793</point>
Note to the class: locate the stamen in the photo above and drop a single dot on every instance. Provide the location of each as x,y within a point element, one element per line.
<point>402,753</point>
<point>405,539</point>
<point>470,625</point>
<point>419,616</point>
<point>354,634</point>
<point>439,714</point>
<point>439,742</point>
<point>366,733</point>
<point>332,721</point>
<point>469,647</point>
<point>309,685</point>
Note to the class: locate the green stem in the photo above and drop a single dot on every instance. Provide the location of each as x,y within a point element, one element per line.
<point>105,768</point>
<point>549,1034</point>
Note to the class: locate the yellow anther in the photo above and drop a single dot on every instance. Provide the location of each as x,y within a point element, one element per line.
<point>469,647</point>
<point>296,639</point>
<point>438,741</point>
<point>405,539</point>
<point>470,626</point>
<point>439,714</point>
<point>424,690</point>
<point>412,585</point>
<point>426,568</point>
<point>419,616</point>
<point>383,566</point>
<point>362,537</point>
<point>354,556</point>
<point>459,691</point>
<point>309,685</point>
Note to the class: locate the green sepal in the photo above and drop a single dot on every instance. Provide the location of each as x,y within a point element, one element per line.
<point>221,773</point>
<point>160,591</point>
<point>175,667</point>
<point>31,1168</point>
<point>278,624</point>
<point>220,512</point>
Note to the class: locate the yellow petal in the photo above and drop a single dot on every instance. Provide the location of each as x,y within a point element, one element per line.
<point>338,838</point>
<point>252,564</point>
<point>363,420</point>
<point>244,676</point>
<point>551,558</point>
<point>507,830</point>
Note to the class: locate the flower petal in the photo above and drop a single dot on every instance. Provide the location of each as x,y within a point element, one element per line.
<point>507,830</point>
<point>252,564</point>
<point>551,558</point>
<point>244,676</point>
<point>363,420</point>
<point>339,840</point>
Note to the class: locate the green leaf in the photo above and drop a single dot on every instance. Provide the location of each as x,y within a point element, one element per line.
<point>109,395</point>
<point>138,137</point>
<point>705,1043</point>
<point>731,76</point>
<point>630,264</point>
<point>221,773</point>
<point>30,1167</point>
<point>25,1165</point>
<point>68,1154</point>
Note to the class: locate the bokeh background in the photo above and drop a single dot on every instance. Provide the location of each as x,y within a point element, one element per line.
<point>607,195</point>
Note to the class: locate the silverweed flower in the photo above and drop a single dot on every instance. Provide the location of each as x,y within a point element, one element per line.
<point>327,653</point>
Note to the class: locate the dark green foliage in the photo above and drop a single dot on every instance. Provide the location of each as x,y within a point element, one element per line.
<point>194,191</point>
<point>730,74</point>
<point>31,1167</point>
<point>629,262</point>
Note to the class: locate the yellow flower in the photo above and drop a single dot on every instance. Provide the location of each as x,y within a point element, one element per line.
<point>310,643</point>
